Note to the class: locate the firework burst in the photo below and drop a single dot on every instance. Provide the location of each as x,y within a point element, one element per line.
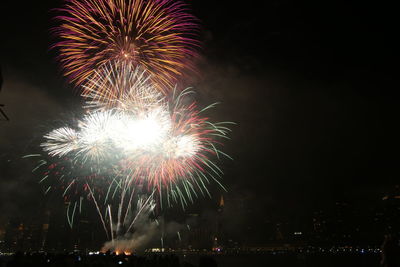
<point>159,35</point>
<point>182,163</point>
<point>164,143</point>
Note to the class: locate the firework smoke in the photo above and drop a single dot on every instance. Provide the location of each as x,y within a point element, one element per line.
<point>145,230</point>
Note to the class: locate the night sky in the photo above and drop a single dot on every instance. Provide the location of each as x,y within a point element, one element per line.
<point>311,87</point>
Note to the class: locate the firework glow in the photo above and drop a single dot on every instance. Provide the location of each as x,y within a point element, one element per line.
<point>159,35</point>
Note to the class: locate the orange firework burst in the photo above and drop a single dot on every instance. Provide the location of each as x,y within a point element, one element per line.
<point>158,35</point>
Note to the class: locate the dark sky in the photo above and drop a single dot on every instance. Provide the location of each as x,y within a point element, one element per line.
<point>310,85</point>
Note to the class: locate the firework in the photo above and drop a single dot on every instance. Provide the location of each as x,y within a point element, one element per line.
<point>61,141</point>
<point>140,142</point>
<point>104,133</point>
<point>159,35</point>
<point>168,148</point>
<point>183,162</point>
<point>162,142</point>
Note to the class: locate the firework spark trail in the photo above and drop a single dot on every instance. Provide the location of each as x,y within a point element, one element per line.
<point>163,152</point>
<point>99,211</point>
<point>147,205</point>
<point>159,35</point>
<point>122,226</point>
<point>74,180</point>
<point>77,185</point>
<point>122,86</point>
<point>61,141</point>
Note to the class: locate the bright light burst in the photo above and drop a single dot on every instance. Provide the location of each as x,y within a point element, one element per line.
<point>101,132</point>
<point>159,35</point>
<point>145,133</point>
<point>166,144</point>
